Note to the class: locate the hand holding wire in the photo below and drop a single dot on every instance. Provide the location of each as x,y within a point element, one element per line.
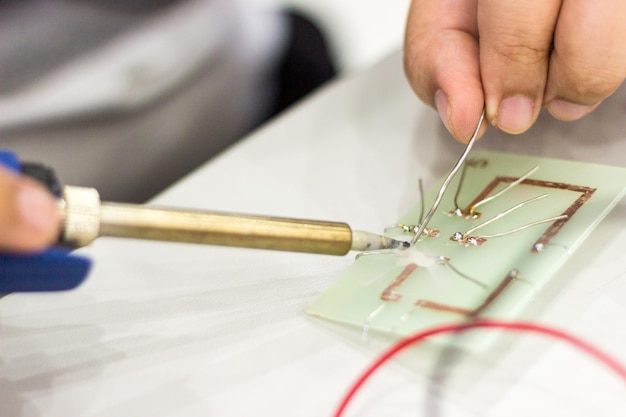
<point>514,57</point>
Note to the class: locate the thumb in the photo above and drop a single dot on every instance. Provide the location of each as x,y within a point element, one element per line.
<point>29,218</point>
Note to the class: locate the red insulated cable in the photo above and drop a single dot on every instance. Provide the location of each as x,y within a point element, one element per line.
<point>524,327</point>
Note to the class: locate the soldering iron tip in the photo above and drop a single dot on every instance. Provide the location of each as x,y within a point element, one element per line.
<point>364,241</point>
<point>397,244</point>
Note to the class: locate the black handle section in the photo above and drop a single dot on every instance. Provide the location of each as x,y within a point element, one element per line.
<point>44,175</point>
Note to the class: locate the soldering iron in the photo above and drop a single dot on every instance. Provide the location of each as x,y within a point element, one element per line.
<point>85,217</point>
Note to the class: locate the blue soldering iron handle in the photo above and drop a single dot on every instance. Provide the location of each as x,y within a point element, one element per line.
<point>55,269</point>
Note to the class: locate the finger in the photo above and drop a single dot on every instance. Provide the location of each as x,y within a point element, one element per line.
<point>589,59</point>
<point>515,40</point>
<point>441,61</point>
<point>29,219</point>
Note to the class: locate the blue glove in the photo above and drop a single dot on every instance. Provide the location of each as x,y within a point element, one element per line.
<point>53,270</point>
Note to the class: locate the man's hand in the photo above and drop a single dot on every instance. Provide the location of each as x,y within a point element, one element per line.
<point>29,219</point>
<point>514,56</point>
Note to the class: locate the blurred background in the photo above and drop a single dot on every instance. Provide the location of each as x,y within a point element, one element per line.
<point>128,96</point>
<point>360,32</point>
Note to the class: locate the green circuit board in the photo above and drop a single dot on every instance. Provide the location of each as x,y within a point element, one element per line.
<point>443,279</point>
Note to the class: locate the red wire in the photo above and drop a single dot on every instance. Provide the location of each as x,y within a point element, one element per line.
<point>582,345</point>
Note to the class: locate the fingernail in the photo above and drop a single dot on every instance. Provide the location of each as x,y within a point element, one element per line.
<point>441,102</point>
<point>566,110</point>
<point>37,208</point>
<point>515,114</point>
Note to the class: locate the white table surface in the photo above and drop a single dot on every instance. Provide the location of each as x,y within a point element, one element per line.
<point>164,329</point>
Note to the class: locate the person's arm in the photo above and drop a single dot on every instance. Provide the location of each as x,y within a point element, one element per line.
<point>514,57</point>
<point>29,218</point>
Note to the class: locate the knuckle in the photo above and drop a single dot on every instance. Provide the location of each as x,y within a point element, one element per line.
<point>520,48</point>
<point>590,83</point>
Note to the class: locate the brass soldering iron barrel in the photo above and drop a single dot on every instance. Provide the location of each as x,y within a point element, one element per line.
<point>85,218</point>
<point>224,229</point>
